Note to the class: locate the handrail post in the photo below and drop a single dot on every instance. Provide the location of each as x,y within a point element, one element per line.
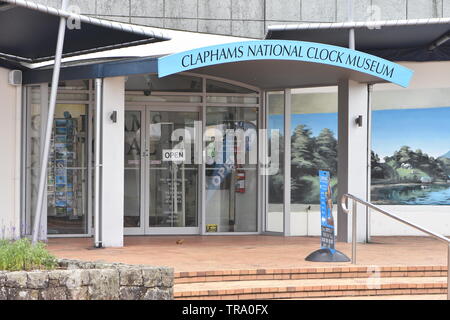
<point>353,232</point>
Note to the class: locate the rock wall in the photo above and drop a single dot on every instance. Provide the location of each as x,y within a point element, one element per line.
<point>77,280</point>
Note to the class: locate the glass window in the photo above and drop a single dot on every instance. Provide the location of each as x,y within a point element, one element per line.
<point>67,174</point>
<point>175,83</point>
<point>133,166</point>
<point>313,144</point>
<point>214,86</point>
<point>67,171</point>
<point>233,99</point>
<point>33,151</point>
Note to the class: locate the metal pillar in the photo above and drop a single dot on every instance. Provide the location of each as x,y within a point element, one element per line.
<point>48,131</point>
<point>97,166</point>
<point>351,32</point>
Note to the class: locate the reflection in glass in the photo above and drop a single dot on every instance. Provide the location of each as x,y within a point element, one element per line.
<point>132,152</point>
<point>67,171</point>
<point>173,184</point>
<point>231,169</point>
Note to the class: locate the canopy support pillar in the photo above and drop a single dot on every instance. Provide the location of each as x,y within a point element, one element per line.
<point>49,127</point>
<point>352,154</point>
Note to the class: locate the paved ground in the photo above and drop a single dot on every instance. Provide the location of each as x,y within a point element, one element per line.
<point>203,253</point>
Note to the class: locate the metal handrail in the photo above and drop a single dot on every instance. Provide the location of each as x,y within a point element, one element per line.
<point>354,199</point>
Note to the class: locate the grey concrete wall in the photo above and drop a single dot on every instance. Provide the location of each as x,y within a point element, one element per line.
<point>250,18</point>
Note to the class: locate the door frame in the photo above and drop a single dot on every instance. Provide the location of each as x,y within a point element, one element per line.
<point>144,228</point>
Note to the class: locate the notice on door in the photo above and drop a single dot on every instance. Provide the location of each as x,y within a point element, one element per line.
<point>173,155</point>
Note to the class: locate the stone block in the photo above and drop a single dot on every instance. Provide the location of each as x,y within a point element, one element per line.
<point>83,6</point>
<point>214,9</point>
<point>3,293</point>
<point>113,7</point>
<point>37,280</point>
<point>152,277</point>
<point>419,9</point>
<point>446,8</point>
<point>77,278</point>
<point>391,9</point>
<point>318,11</point>
<point>81,293</point>
<point>214,26</point>
<point>131,277</point>
<point>167,276</point>
<point>145,8</point>
<point>287,10</point>
<point>2,278</point>
<point>247,10</point>
<point>157,294</point>
<point>151,22</point>
<point>57,293</point>
<point>132,293</point>
<point>104,284</point>
<point>180,9</point>
<point>22,294</point>
<point>115,18</point>
<point>181,24</point>
<point>16,279</point>
<point>248,29</point>
<point>361,11</point>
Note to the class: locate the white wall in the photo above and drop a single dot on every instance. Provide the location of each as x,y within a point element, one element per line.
<point>10,104</point>
<point>112,177</point>
<point>435,218</point>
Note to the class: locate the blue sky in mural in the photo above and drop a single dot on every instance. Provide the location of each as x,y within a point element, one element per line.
<point>425,129</point>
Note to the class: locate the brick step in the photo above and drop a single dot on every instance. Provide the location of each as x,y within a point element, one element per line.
<point>386,297</point>
<point>311,288</point>
<point>310,273</point>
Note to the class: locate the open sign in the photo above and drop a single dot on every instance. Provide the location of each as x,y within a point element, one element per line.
<point>173,155</point>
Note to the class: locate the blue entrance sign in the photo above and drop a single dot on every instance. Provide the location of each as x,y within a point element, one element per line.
<point>327,239</point>
<point>285,50</point>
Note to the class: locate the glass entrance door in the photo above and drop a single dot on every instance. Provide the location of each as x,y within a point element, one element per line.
<point>231,170</point>
<point>167,200</point>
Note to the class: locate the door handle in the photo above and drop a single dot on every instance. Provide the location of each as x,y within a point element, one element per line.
<point>146,153</point>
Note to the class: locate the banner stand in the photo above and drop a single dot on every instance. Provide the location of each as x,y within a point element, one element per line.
<point>326,255</point>
<point>327,252</point>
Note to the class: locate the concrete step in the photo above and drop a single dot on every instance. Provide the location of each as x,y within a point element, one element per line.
<point>312,288</point>
<point>310,273</point>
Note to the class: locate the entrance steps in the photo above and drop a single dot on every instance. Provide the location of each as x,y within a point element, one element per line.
<point>318,283</point>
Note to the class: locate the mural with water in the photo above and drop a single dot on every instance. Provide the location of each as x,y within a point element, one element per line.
<point>410,160</point>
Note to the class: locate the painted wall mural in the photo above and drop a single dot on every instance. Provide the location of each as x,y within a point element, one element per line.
<point>410,156</point>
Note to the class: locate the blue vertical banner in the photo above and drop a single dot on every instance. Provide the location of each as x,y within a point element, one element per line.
<point>327,238</point>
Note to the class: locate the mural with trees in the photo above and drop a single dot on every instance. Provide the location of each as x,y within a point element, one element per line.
<point>406,176</point>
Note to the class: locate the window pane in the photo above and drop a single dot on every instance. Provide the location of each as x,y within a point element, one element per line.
<point>214,86</point>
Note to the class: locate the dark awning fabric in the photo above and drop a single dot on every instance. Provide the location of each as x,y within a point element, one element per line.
<point>29,35</point>
<point>392,41</point>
